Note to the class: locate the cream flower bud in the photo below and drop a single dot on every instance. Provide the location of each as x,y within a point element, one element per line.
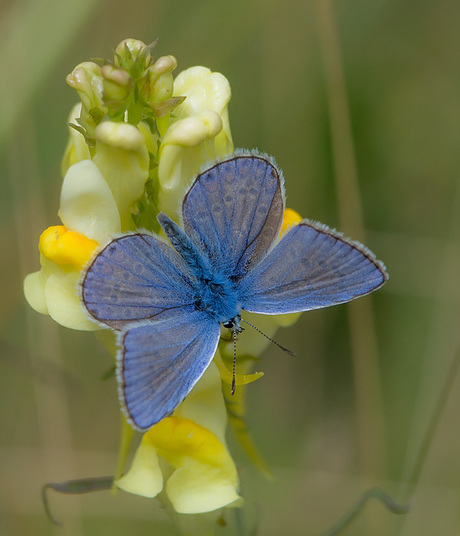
<point>156,86</point>
<point>117,84</point>
<point>128,50</point>
<point>165,64</point>
<point>87,79</point>
<point>122,158</point>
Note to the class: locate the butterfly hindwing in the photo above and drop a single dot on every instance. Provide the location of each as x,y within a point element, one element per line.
<point>234,211</point>
<point>135,277</point>
<point>311,267</point>
<point>160,362</point>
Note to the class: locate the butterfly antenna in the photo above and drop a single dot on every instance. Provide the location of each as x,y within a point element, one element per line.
<point>267,337</point>
<point>234,363</point>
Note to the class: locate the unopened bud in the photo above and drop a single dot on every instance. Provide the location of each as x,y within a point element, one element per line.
<point>117,84</point>
<point>86,78</point>
<point>134,56</point>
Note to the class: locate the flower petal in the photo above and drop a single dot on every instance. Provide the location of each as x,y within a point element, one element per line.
<point>205,404</point>
<point>290,218</point>
<point>205,478</point>
<point>64,304</point>
<point>34,291</point>
<point>197,488</point>
<point>66,248</point>
<point>144,476</point>
<point>123,159</point>
<point>87,203</point>
<point>203,89</point>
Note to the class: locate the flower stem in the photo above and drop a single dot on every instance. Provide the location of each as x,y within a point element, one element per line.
<point>361,316</point>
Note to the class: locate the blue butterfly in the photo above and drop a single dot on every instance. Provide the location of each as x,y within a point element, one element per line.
<point>168,302</point>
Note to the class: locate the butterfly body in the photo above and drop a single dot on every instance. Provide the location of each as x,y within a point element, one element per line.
<point>168,301</point>
<point>215,293</point>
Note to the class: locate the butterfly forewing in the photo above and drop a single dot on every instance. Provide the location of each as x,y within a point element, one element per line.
<point>161,361</point>
<point>135,277</point>
<point>311,267</point>
<point>234,212</point>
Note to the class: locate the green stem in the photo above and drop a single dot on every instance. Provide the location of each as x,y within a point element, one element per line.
<point>361,317</point>
<point>126,436</point>
<point>433,423</point>
<point>373,493</point>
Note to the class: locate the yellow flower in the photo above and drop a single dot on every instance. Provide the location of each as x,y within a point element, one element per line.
<point>199,132</point>
<point>90,217</point>
<point>201,475</point>
<point>123,159</point>
<point>139,137</point>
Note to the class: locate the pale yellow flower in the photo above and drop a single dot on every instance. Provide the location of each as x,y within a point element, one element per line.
<point>200,474</point>
<point>139,137</point>
<point>123,159</point>
<point>90,217</point>
<point>199,132</point>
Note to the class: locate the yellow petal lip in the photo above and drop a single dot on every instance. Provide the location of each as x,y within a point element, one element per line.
<point>144,477</point>
<point>290,218</point>
<point>175,437</point>
<point>66,247</point>
<point>64,304</point>
<point>34,291</point>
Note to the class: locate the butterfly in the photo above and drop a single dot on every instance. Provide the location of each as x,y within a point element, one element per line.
<point>168,300</point>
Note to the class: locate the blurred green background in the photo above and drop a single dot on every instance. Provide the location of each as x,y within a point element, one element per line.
<point>351,410</point>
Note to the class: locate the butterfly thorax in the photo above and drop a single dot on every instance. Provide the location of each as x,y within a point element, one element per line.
<point>217,296</point>
<point>214,290</point>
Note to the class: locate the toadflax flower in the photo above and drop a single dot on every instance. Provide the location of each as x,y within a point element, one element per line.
<point>90,217</point>
<point>202,475</point>
<point>137,139</point>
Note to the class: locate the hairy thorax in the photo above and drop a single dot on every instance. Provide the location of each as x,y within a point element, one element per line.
<point>217,295</point>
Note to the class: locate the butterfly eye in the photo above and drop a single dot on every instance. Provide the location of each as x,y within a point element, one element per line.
<point>229,324</point>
